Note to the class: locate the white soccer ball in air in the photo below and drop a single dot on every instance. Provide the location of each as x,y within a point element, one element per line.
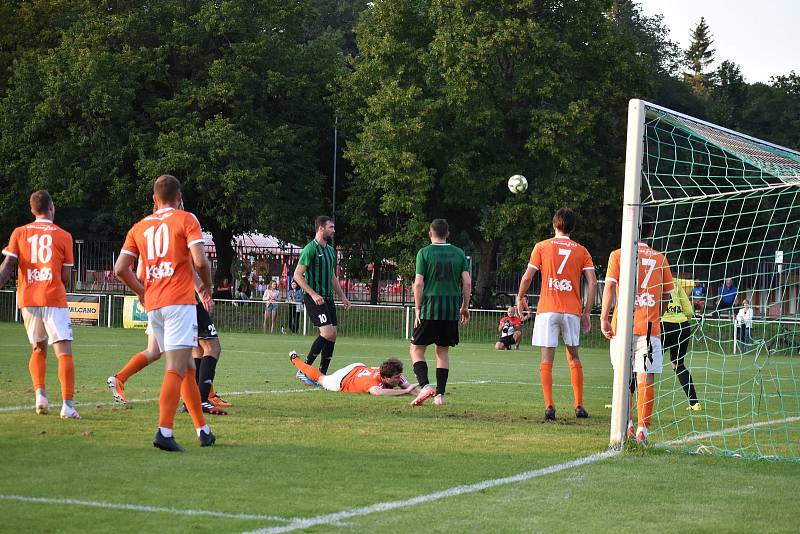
<point>517,184</point>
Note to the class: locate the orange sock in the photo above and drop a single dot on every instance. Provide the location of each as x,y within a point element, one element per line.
<point>169,398</point>
<point>37,366</point>
<point>649,404</point>
<point>66,375</point>
<point>546,375</point>
<point>137,362</point>
<point>641,401</point>
<point>309,371</point>
<point>576,377</point>
<point>191,396</point>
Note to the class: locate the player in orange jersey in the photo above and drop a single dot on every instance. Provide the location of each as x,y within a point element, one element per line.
<point>561,262</point>
<point>170,244</point>
<point>386,380</point>
<point>44,253</point>
<point>653,287</point>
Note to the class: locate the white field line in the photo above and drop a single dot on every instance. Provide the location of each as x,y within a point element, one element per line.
<point>85,404</point>
<point>338,517</point>
<point>142,508</point>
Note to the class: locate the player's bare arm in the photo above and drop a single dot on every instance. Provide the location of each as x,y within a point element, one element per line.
<point>591,282</point>
<point>123,270</point>
<point>204,291</point>
<point>337,289</point>
<point>466,291</point>
<point>6,268</point>
<point>396,392</point>
<point>203,269</point>
<point>417,287</point>
<point>608,297</point>
<point>300,278</point>
<point>524,284</point>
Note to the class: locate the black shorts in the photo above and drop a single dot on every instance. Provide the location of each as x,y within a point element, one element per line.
<point>440,333</point>
<point>321,314</point>
<point>508,341</point>
<point>205,324</point>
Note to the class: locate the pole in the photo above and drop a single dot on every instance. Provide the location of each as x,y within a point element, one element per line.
<point>335,152</point>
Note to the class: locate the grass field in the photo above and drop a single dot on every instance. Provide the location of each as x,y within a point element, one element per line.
<point>289,458</point>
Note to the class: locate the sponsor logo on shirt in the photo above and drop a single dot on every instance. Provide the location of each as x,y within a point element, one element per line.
<point>45,274</point>
<point>559,284</point>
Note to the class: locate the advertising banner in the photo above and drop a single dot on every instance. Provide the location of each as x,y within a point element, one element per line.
<point>84,310</point>
<point>133,315</point>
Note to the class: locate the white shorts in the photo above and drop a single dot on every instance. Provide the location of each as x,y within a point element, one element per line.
<point>547,327</point>
<point>647,358</point>
<point>175,327</point>
<point>333,382</point>
<point>47,323</point>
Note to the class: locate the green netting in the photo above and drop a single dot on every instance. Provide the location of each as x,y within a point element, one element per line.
<point>727,206</point>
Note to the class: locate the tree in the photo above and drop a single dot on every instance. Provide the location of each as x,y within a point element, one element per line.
<point>729,96</point>
<point>448,98</point>
<point>699,57</point>
<point>229,96</point>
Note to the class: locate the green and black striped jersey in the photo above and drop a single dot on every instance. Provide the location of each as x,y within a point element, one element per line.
<point>441,264</point>
<point>320,262</point>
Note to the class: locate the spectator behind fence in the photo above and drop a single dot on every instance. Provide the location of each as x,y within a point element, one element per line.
<point>727,296</point>
<point>295,299</point>
<point>744,321</point>
<point>245,288</point>
<point>224,290</point>
<point>271,297</point>
<point>260,287</point>
<point>699,297</point>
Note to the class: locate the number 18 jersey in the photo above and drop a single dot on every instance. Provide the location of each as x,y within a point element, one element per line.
<point>561,262</point>
<point>161,241</point>
<point>42,249</point>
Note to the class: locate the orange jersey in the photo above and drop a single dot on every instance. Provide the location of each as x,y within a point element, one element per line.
<point>653,279</point>
<point>561,262</point>
<point>360,379</point>
<point>161,242</point>
<point>42,249</point>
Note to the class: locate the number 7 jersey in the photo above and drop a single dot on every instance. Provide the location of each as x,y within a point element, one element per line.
<point>561,262</point>
<point>161,242</point>
<point>42,249</point>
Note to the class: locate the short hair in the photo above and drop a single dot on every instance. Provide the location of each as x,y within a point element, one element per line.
<point>322,220</point>
<point>440,228</point>
<point>565,220</point>
<point>391,367</point>
<point>166,188</point>
<point>648,228</point>
<point>40,201</point>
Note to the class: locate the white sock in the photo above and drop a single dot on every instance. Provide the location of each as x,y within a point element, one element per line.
<point>166,432</point>
<point>69,404</point>
<point>41,392</point>
<point>203,428</point>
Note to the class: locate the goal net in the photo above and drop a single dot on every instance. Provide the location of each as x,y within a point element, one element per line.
<point>726,208</point>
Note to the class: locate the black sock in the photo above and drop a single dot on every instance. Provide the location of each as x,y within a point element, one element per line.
<point>197,362</point>
<point>685,379</point>
<point>327,356</point>
<point>441,380</point>
<point>315,349</point>
<point>421,372</point>
<point>208,368</point>
<point>632,383</point>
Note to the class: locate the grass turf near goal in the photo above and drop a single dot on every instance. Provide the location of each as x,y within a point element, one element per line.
<point>287,453</point>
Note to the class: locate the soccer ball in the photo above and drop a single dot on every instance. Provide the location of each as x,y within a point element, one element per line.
<point>517,184</point>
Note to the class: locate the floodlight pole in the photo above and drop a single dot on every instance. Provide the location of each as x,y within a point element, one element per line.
<point>335,151</point>
<point>626,286</point>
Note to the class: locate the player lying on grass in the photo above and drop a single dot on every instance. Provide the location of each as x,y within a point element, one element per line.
<point>387,379</point>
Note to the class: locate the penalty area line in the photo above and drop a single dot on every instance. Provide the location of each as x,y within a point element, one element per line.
<point>142,508</point>
<point>338,517</point>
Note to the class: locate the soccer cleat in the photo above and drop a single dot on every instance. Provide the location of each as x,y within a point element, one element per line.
<point>213,410</point>
<point>216,400</point>
<point>68,412</point>
<point>304,379</point>
<point>696,407</point>
<point>42,405</point>
<point>550,414</point>
<point>581,413</point>
<point>631,433</point>
<point>117,388</point>
<point>166,444</point>
<point>438,400</point>
<point>641,435</point>
<point>206,439</point>
<point>426,393</point>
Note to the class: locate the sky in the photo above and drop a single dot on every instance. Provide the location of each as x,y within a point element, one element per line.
<point>762,36</point>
